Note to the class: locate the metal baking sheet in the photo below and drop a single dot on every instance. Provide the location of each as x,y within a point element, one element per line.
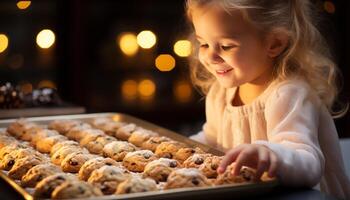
<point>229,190</point>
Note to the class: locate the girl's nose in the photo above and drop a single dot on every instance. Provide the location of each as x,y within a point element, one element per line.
<point>214,57</point>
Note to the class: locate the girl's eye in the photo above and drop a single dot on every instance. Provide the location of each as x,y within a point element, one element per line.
<point>203,45</point>
<point>228,47</point>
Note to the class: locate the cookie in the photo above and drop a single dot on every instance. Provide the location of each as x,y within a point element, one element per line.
<point>38,173</point>
<point>75,189</point>
<point>63,126</point>
<point>118,149</point>
<point>90,135</point>
<point>137,160</point>
<point>22,165</point>
<point>160,169</point>
<point>30,133</point>
<point>18,128</point>
<point>184,153</point>
<point>124,132</point>
<point>107,178</point>
<point>93,164</point>
<point>140,135</point>
<point>245,175</point>
<point>186,177</point>
<point>12,147</point>
<point>136,184</point>
<point>77,133</point>
<point>61,144</point>
<point>10,159</point>
<point>73,162</point>
<point>63,152</point>
<point>44,133</point>
<point>44,145</point>
<point>6,140</point>
<point>195,160</point>
<point>45,187</point>
<point>107,125</point>
<point>168,149</point>
<point>153,142</point>
<point>210,166</point>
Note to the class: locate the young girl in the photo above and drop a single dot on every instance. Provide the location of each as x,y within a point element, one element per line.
<point>269,82</point>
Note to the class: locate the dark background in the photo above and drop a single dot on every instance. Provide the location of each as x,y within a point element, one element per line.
<point>88,68</point>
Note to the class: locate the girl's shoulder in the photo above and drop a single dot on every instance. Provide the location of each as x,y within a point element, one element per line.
<point>294,88</point>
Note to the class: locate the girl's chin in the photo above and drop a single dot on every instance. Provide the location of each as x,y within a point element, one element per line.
<point>228,84</point>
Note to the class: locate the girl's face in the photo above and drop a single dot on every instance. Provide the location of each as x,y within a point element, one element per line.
<point>230,47</point>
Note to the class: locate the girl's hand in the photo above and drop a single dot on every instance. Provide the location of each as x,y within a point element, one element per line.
<point>251,155</point>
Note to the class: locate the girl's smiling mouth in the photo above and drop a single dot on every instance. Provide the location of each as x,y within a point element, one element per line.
<point>223,72</point>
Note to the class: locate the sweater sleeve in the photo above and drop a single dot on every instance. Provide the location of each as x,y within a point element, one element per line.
<point>292,129</point>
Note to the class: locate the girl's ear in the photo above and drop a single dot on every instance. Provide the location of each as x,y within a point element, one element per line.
<point>277,42</point>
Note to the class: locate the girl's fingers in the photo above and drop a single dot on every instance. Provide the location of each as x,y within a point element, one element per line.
<point>273,165</point>
<point>263,163</point>
<point>245,158</point>
<point>229,158</point>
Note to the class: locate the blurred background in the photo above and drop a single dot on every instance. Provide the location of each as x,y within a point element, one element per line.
<point>119,56</point>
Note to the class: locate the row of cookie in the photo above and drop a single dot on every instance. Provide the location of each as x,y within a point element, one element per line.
<point>136,136</point>
<point>103,178</point>
<point>33,168</point>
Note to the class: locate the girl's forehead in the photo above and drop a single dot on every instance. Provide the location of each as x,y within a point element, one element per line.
<point>217,20</point>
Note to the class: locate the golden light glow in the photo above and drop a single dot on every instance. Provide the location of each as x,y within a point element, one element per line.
<point>146,39</point>
<point>329,7</point>
<point>165,62</point>
<point>26,88</point>
<point>23,4</point>
<point>4,42</point>
<point>116,118</point>
<point>128,44</point>
<point>147,88</point>
<point>183,91</point>
<point>183,48</point>
<point>46,84</point>
<point>45,39</point>
<point>129,89</point>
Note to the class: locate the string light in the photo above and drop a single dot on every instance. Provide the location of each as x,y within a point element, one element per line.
<point>45,38</point>
<point>146,39</point>
<point>128,44</point>
<point>4,41</point>
<point>165,62</point>
<point>22,5</point>
<point>183,48</point>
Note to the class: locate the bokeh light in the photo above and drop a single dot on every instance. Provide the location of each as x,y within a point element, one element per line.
<point>147,88</point>
<point>146,39</point>
<point>129,89</point>
<point>23,4</point>
<point>46,84</point>
<point>183,91</point>
<point>165,62</point>
<point>329,7</point>
<point>45,38</point>
<point>128,44</point>
<point>4,42</point>
<point>183,48</point>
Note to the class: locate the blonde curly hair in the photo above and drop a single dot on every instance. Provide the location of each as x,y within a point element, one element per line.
<point>307,54</point>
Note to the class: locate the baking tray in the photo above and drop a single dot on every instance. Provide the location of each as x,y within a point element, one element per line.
<point>221,191</point>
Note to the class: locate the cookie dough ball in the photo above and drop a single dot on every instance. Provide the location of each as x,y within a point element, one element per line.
<point>210,166</point>
<point>107,178</point>
<point>153,142</point>
<point>93,164</point>
<point>40,135</point>
<point>38,173</point>
<point>136,184</point>
<point>75,189</point>
<point>160,169</point>
<point>63,152</point>
<point>137,160</point>
<point>107,125</point>
<point>168,149</point>
<point>186,177</point>
<point>195,160</point>
<point>245,175</point>
<point>118,149</point>
<point>90,135</point>
<point>45,187</point>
